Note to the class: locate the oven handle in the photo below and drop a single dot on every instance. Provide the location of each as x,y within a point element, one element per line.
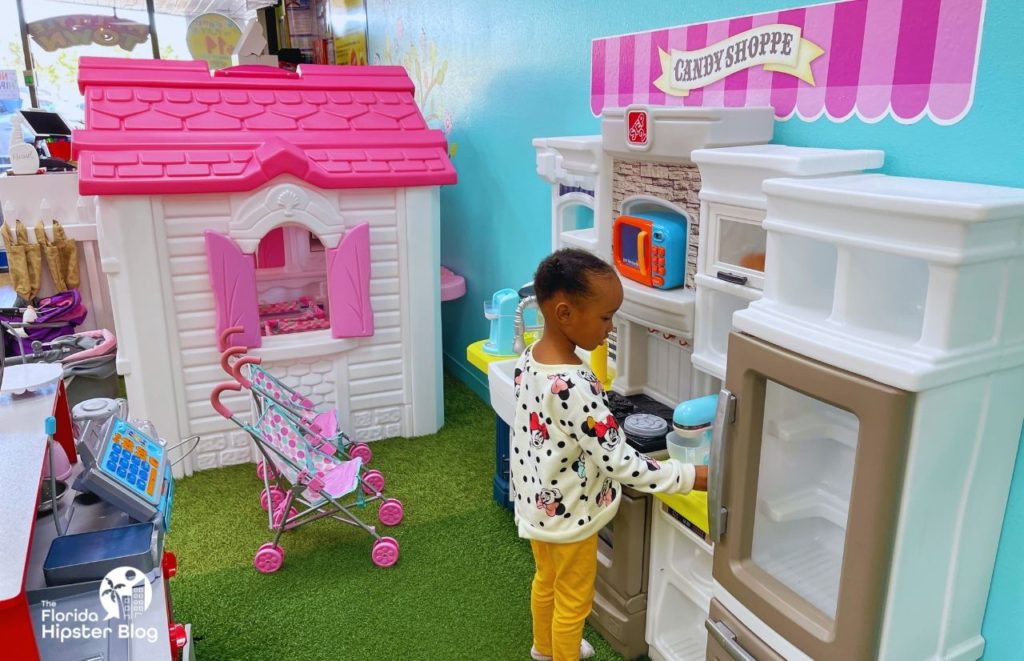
<point>725,415</point>
<point>727,640</point>
<point>641,243</point>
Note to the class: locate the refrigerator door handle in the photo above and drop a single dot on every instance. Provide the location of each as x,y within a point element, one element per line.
<point>727,640</point>
<point>725,415</point>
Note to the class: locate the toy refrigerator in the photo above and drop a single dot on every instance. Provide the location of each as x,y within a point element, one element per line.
<point>869,421</point>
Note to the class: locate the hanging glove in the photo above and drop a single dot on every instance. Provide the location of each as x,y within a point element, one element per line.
<point>52,255</point>
<point>17,261</point>
<point>34,260</point>
<point>68,255</point>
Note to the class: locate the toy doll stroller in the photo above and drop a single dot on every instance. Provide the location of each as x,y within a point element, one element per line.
<point>302,473</point>
<point>265,387</point>
<point>54,316</point>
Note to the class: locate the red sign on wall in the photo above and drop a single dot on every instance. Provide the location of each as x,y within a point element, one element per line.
<point>637,124</point>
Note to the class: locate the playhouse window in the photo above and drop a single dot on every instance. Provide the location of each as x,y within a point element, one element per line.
<point>290,286</point>
<point>291,282</point>
<point>577,217</point>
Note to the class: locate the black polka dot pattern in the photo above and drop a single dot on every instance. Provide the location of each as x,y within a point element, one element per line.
<point>571,453</point>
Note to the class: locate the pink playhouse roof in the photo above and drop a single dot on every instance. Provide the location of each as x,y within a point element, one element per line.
<point>163,126</point>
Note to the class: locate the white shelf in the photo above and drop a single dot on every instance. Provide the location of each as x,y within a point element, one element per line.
<point>310,344</point>
<point>680,589</point>
<point>792,161</point>
<point>805,564</point>
<point>572,161</point>
<point>585,239</point>
<point>710,363</point>
<point>730,288</point>
<point>809,503</point>
<point>671,310</point>
<point>680,648</point>
<point>815,427</point>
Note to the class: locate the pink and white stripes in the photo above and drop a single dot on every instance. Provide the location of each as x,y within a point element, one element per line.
<point>906,58</point>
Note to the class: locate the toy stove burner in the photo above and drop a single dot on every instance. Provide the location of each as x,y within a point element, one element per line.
<point>622,407</point>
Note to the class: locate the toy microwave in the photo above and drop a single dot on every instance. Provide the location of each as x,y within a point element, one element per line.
<point>650,247</point>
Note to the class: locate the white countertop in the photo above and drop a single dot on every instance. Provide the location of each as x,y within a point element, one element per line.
<point>22,453</point>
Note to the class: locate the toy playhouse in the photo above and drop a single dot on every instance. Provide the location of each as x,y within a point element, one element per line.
<point>843,304</point>
<point>303,207</point>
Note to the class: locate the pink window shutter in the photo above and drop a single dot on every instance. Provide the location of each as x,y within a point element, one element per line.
<point>233,282</point>
<point>348,284</point>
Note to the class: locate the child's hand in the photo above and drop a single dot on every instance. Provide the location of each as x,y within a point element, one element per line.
<point>700,478</point>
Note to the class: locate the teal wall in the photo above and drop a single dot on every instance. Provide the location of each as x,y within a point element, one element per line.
<point>517,71</point>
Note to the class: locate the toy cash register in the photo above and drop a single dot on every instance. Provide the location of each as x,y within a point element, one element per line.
<point>130,470</point>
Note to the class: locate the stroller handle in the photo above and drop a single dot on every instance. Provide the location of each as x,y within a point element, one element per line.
<point>225,358</point>
<point>236,369</point>
<point>226,334</point>
<point>215,398</point>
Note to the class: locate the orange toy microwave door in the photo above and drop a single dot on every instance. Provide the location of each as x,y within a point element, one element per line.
<point>631,247</point>
<point>650,248</point>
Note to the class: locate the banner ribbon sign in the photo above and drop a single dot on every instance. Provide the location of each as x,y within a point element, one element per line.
<point>777,47</point>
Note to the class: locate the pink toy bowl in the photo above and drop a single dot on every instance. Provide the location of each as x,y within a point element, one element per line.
<point>453,285</point>
<point>61,465</point>
<point>385,552</point>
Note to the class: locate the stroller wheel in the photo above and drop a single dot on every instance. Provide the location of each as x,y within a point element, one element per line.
<point>361,451</point>
<point>261,467</point>
<point>279,512</point>
<point>391,512</point>
<point>270,545</point>
<point>385,552</point>
<point>373,481</point>
<point>269,559</point>
<point>271,498</point>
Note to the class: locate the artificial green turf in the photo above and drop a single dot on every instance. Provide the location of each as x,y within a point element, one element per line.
<point>460,589</point>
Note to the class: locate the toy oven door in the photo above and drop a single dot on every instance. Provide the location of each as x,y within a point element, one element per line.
<point>806,476</point>
<point>631,248</point>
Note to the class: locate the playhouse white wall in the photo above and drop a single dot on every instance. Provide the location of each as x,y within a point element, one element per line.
<point>383,386</point>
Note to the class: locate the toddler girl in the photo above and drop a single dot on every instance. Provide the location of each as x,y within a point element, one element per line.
<point>569,458</point>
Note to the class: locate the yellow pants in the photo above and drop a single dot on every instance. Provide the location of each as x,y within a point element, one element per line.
<point>562,595</point>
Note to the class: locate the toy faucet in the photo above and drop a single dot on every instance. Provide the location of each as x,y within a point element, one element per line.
<point>501,312</point>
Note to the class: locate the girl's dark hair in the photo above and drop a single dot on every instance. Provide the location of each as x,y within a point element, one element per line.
<point>568,270</point>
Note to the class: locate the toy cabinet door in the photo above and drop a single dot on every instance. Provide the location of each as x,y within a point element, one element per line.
<point>806,477</point>
<point>729,640</point>
<point>738,244</point>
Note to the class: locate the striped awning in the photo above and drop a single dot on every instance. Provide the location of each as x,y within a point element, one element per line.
<point>906,58</point>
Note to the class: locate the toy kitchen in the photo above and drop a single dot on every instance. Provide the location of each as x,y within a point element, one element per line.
<point>87,496</point>
<point>822,324</point>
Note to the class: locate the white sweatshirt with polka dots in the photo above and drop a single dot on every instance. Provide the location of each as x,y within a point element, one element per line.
<point>569,458</point>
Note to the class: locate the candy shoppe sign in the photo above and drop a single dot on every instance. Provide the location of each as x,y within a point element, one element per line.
<point>863,60</point>
<point>775,47</point>
<point>53,34</point>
